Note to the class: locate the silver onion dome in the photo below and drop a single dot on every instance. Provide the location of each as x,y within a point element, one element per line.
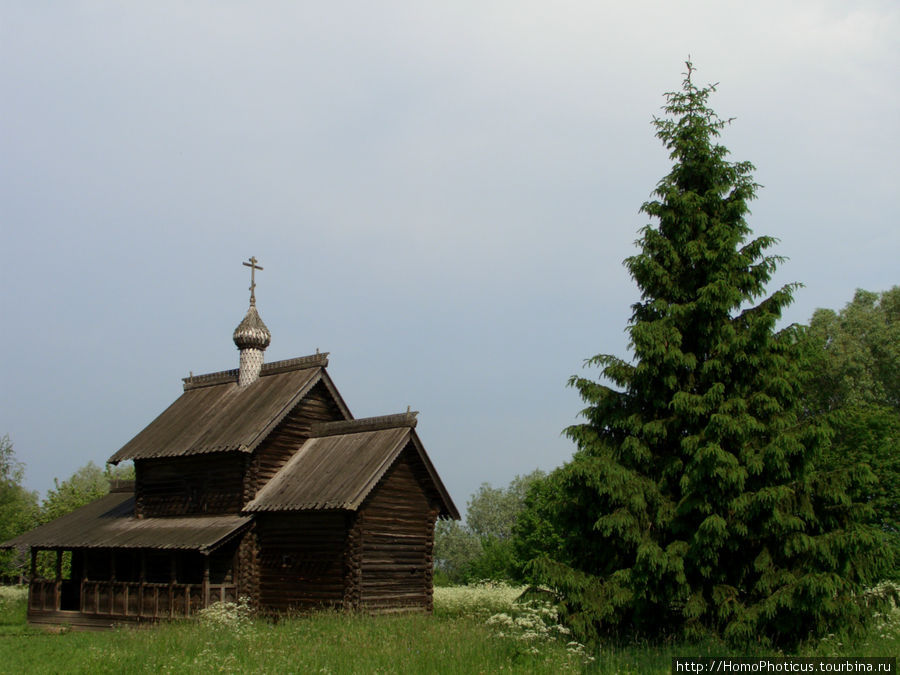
<point>251,333</point>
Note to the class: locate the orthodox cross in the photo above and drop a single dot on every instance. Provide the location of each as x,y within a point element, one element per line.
<point>253,267</point>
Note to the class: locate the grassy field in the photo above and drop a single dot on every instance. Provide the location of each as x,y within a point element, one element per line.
<point>474,630</point>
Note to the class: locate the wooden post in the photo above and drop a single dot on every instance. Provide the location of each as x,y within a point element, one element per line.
<point>78,571</point>
<point>143,579</point>
<point>112,581</point>
<point>57,586</point>
<point>32,599</point>
<point>206,581</point>
<point>32,596</point>
<point>171,585</point>
<point>236,572</point>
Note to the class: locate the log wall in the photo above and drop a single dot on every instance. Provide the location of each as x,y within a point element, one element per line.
<point>248,566</point>
<point>353,563</point>
<point>301,560</point>
<point>397,539</point>
<point>287,437</point>
<point>176,486</point>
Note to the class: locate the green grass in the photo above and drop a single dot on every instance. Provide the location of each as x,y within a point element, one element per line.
<point>12,612</point>
<point>461,637</point>
<point>328,643</point>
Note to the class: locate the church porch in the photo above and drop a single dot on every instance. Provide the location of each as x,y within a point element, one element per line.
<point>94,588</point>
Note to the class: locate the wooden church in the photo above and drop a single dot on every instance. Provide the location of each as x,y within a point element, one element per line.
<point>255,482</point>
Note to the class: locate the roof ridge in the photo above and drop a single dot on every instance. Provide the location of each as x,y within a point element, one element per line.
<point>209,379</point>
<point>406,419</point>
<point>317,360</point>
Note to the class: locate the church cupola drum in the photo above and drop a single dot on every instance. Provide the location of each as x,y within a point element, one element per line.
<point>251,336</point>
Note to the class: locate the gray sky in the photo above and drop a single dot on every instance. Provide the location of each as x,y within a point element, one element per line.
<point>441,195</point>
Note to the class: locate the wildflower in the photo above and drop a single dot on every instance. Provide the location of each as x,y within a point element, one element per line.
<point>233,616</point>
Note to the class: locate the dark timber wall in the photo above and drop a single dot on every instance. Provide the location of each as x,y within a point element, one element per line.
<point>175,486</point>
<point>248,565</point>
<point>301,560</point>
<point>395,551</point>
<point>288,436</point>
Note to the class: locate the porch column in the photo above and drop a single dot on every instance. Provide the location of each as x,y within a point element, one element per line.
<point>206,581</point>
<point>171,585</point>
<point>84,582</point>
<point>32,598</point>
<point>56,586</point>
<point>143,579</point>
<point>112,581</point>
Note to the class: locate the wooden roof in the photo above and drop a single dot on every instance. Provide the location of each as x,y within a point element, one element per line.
<point>215,415</point>
<point>338,468</point>
<point>109,522</point>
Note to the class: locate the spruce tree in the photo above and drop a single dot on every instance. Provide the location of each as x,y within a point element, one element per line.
<point>692,504</point>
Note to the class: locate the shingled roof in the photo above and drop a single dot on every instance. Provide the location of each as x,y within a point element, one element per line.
<point>340,465</point>
<point>215,415</point>
<point>109,522</point>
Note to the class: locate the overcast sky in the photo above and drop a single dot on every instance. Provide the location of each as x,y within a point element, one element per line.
<point>441,194</point>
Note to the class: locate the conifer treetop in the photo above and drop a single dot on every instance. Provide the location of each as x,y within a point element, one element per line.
<point>693,502</point>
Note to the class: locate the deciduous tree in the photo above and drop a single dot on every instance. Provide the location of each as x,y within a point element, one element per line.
<point>18,508</point>
<point>855,357</point>
<point>455,550</point>
<point>853,385</point>
<point>88,483</point>
<point>483,547</point>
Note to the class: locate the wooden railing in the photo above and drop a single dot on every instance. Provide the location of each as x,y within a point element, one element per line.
<point>134,599</point>
<point>44,595</point>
